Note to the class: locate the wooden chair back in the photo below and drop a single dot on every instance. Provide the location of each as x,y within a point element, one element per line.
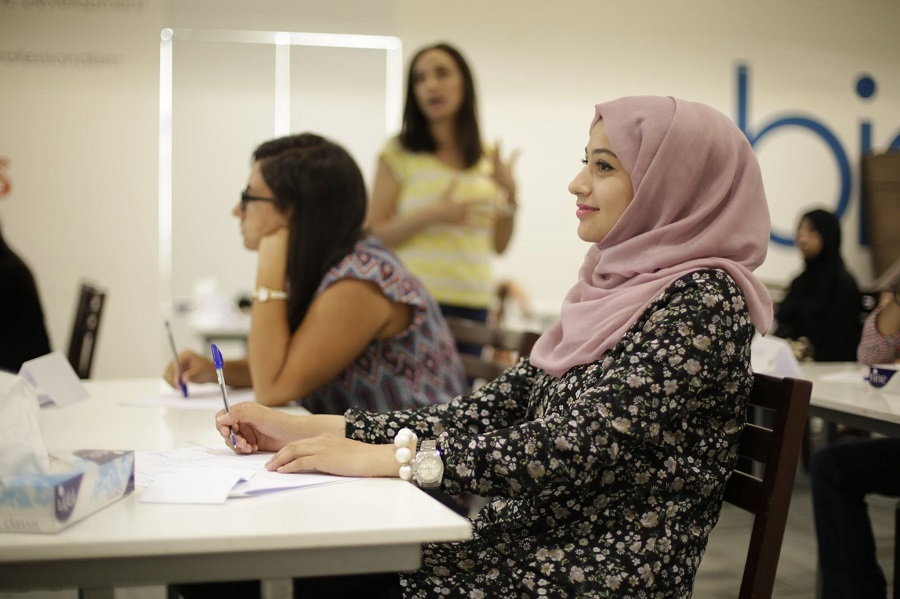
<point>85,329</point>
<point>502,347</point>
<point>897,551</point>
<point>777,450</point>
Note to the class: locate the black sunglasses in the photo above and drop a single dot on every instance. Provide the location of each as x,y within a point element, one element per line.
<point>246,198</point>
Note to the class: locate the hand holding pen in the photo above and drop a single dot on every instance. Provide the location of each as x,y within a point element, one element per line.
<point>220,365</point>
<point>184,391</point>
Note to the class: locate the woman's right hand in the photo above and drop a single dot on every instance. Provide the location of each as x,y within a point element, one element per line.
<point>447,209</point>
<point>194,367</point>
<point>258,428</point>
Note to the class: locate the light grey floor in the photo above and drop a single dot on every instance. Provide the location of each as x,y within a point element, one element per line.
<point>720,572</point>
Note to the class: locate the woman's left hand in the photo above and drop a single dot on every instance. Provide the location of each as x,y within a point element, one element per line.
<point>503,170</point>
<point>273,250</point>
<point>334,454</point>
<point>275,242</point>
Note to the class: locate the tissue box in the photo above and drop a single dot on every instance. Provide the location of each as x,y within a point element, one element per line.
<point>78,484</point>
<point>885,377</point>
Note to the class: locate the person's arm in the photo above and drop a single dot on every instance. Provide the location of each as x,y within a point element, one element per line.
<point>340,322</point>
<point>646,396</point>
<point>198,369</point>
<point>881,333</point>
<point>506,213</point>
<point>260,428</point>
<point>395,230</point>
<point>888,323</point>
<point>364,447</point>
<point>22,327</point>
<point>503,227</point>
<point>687,371</point>
<point>303,443</point>
<point>500,403</point>
<point>788,314</point>
<point>836,330</point>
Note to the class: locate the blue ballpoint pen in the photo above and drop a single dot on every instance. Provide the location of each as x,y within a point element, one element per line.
<point>177,363</point>
<point>220,364</point>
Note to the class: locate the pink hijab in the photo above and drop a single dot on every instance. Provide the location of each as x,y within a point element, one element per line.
<point>698,203</point>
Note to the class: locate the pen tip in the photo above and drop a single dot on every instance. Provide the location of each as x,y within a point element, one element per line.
<point>217,356</point>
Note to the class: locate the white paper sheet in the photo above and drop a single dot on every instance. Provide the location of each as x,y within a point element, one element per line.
<point>54,379</point>
<point>165,473</point>
<point>772,355</point>
<point>194,486</point>
<point>207,396</point>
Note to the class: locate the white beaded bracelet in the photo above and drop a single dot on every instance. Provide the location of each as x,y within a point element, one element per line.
<point>406,442</point>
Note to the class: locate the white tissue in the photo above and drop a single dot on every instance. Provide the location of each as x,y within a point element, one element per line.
<point>24,451</point>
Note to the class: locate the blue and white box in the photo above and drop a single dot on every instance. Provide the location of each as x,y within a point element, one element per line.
<point>78,484</point>
<point>885,377</point>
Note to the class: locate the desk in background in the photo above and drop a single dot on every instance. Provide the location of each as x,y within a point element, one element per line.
<point>373,525</point>
<point>233,333</point>
<point>855,404</point>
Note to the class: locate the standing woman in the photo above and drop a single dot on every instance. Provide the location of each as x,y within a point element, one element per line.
<point>823,303</point>
<point>337,322</point>
<point>442,200</point>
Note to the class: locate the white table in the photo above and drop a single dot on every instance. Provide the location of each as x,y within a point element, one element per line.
<point>855,404</point>
<point>354,527</point>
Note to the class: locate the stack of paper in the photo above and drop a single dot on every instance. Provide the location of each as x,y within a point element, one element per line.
<point>201,475</point>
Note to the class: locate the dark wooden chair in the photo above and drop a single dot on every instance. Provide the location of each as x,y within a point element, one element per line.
<point>502,347</point>
<point>85,329</point>
<point>897,551</point>
<point>777,450</point>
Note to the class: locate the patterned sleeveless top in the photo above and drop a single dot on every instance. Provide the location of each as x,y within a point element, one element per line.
<point>418,367</point>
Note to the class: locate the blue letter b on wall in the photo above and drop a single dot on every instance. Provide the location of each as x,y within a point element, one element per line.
<point>820,130</point>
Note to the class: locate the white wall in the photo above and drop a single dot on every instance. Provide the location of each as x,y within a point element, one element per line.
<point>83,140</point>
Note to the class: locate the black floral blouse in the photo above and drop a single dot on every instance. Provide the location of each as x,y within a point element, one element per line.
<point>605,482</point>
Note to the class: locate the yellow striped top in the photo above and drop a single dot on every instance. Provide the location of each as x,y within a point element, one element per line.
<point>453,261</point>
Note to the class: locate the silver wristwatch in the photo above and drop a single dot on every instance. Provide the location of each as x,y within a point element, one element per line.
<point>428,467</point>
<point>264,294</point>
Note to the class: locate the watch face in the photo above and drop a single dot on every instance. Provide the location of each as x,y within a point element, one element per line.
<point>429,469</point>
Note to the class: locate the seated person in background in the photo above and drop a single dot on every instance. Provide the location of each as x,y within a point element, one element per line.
<point>606,452</point>
<point>23,334</point>
<point>511,302</point>
<point>880,342</point>
<point>843,474</point>
<point>823,304</point>
<point>338,322</point>
<point>510,296</point>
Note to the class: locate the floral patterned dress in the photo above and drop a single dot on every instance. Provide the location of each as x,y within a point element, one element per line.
<point>605,482</point>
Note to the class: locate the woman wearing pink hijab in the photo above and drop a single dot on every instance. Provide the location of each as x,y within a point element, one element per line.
<point>605,454</point>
